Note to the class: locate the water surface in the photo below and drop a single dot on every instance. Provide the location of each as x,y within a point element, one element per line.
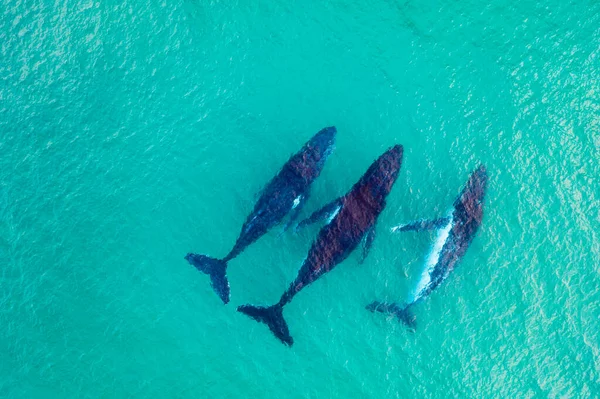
<point>133,133</point>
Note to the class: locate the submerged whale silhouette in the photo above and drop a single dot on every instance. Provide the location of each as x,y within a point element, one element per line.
<point>352,218</point>
<point>455,234</point>
<point>287,192</point>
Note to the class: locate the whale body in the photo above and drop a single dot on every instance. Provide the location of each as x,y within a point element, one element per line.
<point>455,232</point>
<point>352,218</point>
<point>286,193</point>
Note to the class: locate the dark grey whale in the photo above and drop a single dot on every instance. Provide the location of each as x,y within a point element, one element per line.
<point>352,218</point>
<point>455,234</point>
<point>287,192</point>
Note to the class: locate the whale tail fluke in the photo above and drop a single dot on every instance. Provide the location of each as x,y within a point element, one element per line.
<point>271,316</point>
<point>403,314</point>
<point>216,269</point>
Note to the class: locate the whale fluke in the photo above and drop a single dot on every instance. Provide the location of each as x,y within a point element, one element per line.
<point>271,316</point>
<point>402,313</point>
<point>216,269</point>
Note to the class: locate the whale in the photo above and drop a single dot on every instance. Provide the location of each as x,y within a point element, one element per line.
<point>455,232</point>
<point>351,219</point>
<point>285,194</point>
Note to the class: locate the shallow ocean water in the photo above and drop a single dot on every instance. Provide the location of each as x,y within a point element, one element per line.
<point>134,133</point>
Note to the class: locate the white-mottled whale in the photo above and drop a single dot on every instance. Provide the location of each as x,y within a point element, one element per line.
<point>455,233</point>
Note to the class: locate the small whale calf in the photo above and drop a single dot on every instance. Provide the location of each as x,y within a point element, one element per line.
<point>285,193</point>
<point>455,233</point>
<point>352,218</point>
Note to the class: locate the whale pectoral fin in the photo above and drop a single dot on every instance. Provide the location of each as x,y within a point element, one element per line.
<point>420,225</point>
<point>327,211</point>
<point>367,244</point>
<point>296,209</point>
<point>403,314</point>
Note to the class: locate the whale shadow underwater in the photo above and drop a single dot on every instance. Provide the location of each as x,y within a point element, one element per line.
<point>455,233</point>
<point>285,194</point>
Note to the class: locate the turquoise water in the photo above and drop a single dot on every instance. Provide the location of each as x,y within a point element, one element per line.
<point>132,133</point>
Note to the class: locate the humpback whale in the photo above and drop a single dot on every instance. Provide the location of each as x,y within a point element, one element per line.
<point>352,218</point>
<point>455,233</point>
<point>286,193</point>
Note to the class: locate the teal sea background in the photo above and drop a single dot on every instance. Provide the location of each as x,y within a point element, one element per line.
<point>134,132</point>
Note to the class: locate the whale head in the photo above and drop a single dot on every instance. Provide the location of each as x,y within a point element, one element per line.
<point>384,171</point>
<point>377,182</point>
<point>321,145</point>
<point>309,162</point>
<point>389,163</point>
<point>471,198</point>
